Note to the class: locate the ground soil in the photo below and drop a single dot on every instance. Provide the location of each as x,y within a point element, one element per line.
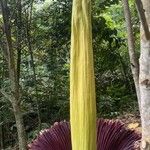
<point>131,121</point>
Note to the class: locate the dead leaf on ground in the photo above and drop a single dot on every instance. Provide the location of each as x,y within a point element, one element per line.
<point>133,125</point>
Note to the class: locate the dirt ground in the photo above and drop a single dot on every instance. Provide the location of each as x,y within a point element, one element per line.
<point>131,121</point>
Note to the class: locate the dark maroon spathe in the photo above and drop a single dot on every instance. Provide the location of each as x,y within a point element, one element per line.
<point>111,135</point>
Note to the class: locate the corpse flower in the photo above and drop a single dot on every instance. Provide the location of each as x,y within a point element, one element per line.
<point>111,135</point>
<point>80,134</point>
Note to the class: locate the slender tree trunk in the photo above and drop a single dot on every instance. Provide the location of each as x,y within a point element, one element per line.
<point>19,37</point>
<point>1,133</point>
<point>131,47</point>
<point>124,74</point>
<point>28,28</point>
<point>35,81</point>
<point>144,79</point>
<point>15,97</point>
<point>1,110</point>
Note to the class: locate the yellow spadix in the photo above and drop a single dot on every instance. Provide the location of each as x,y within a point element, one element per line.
<point>82,82</point>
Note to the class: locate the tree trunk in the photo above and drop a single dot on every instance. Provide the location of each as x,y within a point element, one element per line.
<point>131,47</point>
<point>28,29</point>
<point>144,81</point>
<point>15,92</point>
<point>20,126</point>
<point>19,37</point>
<point>35,82</point>
<point>1,111</point>
<point>144,67</point>
<point>1,134</point>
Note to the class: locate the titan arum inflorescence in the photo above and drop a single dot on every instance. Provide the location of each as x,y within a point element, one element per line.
<point>83,133</point>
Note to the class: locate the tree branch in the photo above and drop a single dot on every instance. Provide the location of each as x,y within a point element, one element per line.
<point>6,95</point>
<point>142,17</point>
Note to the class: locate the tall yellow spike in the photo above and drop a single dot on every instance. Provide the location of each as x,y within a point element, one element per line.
<point>82,82</point>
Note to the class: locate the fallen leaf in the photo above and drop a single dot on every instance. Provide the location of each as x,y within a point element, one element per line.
<point>133,125</point>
